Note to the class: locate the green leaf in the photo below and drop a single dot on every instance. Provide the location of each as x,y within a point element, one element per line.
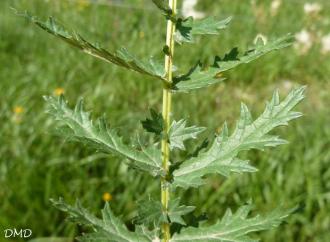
<point>178,133</point>
<point>199,148</point>
<point>155,124</point>
<point>107,229</point>
<point>79,127</point>
<point>121,57</point>
<point>150,212</point>
<point>198,77</point>
<point>233,227</point>
<point>221,157</point>
<point>187,28</point>
<point>163,5</point>
<point>175,211</point>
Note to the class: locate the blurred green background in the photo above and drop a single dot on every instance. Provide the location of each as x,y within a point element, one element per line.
<point>36,165</point>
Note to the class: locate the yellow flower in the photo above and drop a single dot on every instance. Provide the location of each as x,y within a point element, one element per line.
<point>141,34</point>
<point>58,91</point>
<point>17,117</point>
<point>106,197</point>
<point>18,109</point>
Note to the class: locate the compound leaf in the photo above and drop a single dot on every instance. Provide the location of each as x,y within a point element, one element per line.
<point>198,77</point>
<point>78,126</point>
<point>121,57</point>
<point>187,28</point>
<point>107,229</point>
<point>233,227</point>
<point>178,133</point>
<point>221,157</point>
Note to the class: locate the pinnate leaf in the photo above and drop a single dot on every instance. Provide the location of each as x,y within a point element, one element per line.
<point>121,57</point>
<point>187,28</point>
<point>178,133</point>
<point>78,126</point>
<point>233,227</point>
<point>221,157</point>
<point>107,229</point>
<point>199,77</point>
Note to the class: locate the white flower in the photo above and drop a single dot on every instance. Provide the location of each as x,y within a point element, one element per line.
<point>312,8</point>
<point>325,42</point>
<point>275,5</point>
<point>304,41</point>
<point>188,9</point>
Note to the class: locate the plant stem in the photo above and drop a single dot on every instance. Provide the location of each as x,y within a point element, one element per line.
<point>167,101</point>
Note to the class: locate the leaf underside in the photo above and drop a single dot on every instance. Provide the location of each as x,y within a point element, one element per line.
<point>221,157</point>
<point>77,125</point>
<point>121,57</point>
<point>198,77</point>
<point>107,229</point>
<point>233,227</point>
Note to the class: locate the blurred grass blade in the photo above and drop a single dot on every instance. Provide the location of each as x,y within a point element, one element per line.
<point>222,155</point>
<point>107,229</point>
<point>78,126</point>
<point>233,227</point>
<point>187,28</point>
<point>121,57</point>
<point>198,77</point>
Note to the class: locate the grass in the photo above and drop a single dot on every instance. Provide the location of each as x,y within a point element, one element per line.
<point>35,165</point>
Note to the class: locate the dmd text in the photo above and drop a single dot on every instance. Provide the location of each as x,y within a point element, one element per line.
<point>22,233</point>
